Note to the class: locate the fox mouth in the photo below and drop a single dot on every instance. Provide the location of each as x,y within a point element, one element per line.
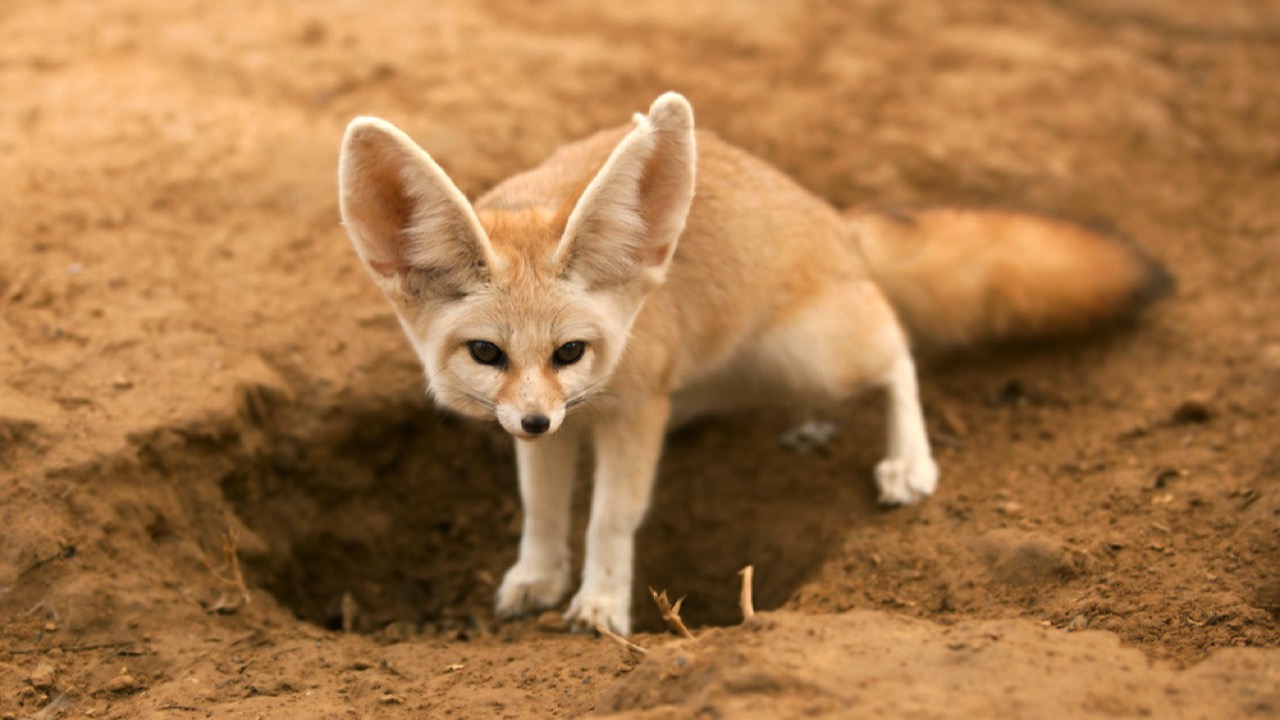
<point>521,435</point>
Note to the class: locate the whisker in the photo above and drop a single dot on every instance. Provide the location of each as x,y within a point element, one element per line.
<point>588,392</point>
<point>586,395</point>
<point>470,396</point>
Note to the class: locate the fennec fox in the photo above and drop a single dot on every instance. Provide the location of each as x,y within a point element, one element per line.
<point>608,278</point>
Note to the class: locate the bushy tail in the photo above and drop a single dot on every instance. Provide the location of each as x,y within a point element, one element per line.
<point>958,277</point>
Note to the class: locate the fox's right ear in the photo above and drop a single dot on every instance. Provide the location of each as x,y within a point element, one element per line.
<point>409,223</point>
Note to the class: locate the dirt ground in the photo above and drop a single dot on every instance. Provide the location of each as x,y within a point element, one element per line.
<point>190,351</point>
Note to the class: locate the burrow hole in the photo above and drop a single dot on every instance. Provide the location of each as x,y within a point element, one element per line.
<point>398,519</point>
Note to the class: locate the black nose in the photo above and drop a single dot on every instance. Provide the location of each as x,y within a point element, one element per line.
<point>535,424</point>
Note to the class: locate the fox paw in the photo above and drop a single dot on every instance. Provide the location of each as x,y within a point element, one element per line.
<point>612,611</point>
<point>906,481</point>
<point>526,589</point>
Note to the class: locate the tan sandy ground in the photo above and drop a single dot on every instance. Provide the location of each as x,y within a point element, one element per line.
<point>188,348</point>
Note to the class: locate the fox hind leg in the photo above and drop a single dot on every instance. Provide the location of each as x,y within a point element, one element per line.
<point>846,340</point>
<point>908,473</point>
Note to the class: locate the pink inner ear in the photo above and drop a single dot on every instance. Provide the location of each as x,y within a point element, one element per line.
<point>627,221</point>
<point>402,213</point>
<point>663,191</point>
<point>376,206</point>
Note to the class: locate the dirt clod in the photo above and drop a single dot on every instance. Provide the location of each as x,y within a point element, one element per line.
<point>552,621</point>
<point>43,677</point>
<point>122,684</point>
<point>1017,558</point>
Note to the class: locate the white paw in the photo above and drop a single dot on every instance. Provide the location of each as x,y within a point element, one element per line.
<point>526,589</point>
<point>612,610</point>
<point>905,481</point>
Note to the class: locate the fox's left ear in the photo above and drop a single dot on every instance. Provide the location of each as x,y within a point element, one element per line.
<point>626,224</point>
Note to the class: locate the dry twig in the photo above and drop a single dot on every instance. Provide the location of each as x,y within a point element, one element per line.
<point>231,563</point>
<point>748,607</point>
<point>671,613</point>
<point>66,551</point>
<point>67,648</point>
<point>620,640</point>
<point>53,708</point>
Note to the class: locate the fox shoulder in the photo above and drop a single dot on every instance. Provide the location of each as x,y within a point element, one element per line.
<point>962,276</point>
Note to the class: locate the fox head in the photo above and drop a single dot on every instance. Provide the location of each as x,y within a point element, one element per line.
<point>519,315</point>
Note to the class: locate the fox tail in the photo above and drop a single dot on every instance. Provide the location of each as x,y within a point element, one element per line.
<point>958,277</point>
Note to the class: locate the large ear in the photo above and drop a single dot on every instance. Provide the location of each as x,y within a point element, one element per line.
<point>626,224</point>
<point>409,222</point>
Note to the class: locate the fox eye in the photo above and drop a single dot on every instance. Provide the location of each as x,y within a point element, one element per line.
<point>568,353</point>
<point>486,353</point>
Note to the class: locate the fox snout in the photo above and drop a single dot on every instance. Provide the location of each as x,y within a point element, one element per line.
<point>531,405</point>
<point>529,422</point>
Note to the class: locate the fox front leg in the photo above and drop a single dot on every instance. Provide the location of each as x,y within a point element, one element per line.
<point>540,577</point>
<point>627,450</point>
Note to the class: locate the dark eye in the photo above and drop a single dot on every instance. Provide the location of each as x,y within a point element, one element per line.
<point>568,353</point>
<point>486,353</point>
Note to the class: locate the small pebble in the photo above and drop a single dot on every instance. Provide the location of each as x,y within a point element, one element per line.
<point>42,677</point>
<point>552,621</point>
<point>123,683</point>
<point>809,435</point>
<point>1010,508</point>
